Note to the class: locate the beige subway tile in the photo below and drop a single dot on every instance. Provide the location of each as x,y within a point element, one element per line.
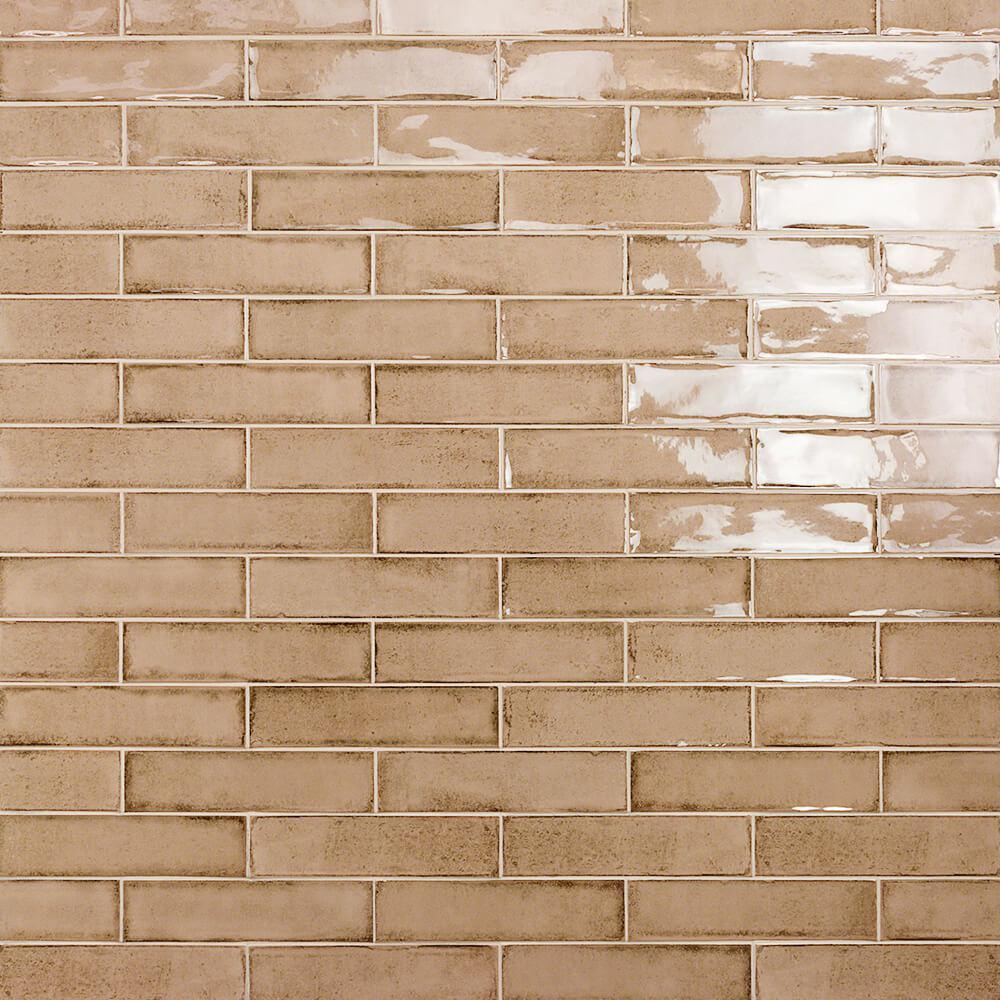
<point>515,17</point>
<point>942,651</point>
<point>119,716</point>
<point>627,972</point>
<point>942,782</point>
<point>124,199</point>
<point>257,263</point>
<point>941,265</point>
<point>240,911</point>
<point>942,523</point>
<point>886,716</point>
<point>68,522</point>
<point>178,522</point>
<point>401,458</point>
<point>941,135</point>
<point>733,522</point>
<point>47,392</point>
<point>122,846</point>
<point>356,329</point>
<point>796,588</point>
<point>878,327</point>
<point>373,587</point>
<point>750,265</point>
<point>59,136</point>
<point>498,651</point>
<point>960,17</point>
<point>622,71</point>
<point>878,845</point>
<point>373,973</point>
<point>751,651</point>
<point>875,70</point>
<point>735,134</point>
<point>500,393</point>
<point>644,588</point>
<point>374,845</point>
<point>327,69</point>
<point>626,845</point>
<point>902,459</point>
<point>941,910</point>
<point>622,328</point>
<point>619,716</point>
<point>273,652</point>
<point>120,328</point>
<point>675,781</point>
<point>59,17</point>
<point>661,911</point>
<point>59,780</point>
<point>376,199</point>
<point>58,651</point>
<point>626,458</point>
<point>119,972</point>
<point>331,716</point>
<point>58,911</point>
<point>508,911</point>
<point>61,457</point>
<point>919,973</point>
<point>169,17</point>
<point>499,265</point>
<point>61,265</point>
<point>500,523</point>
<point>507,781</point>
<point>134,587</point>
<point>264,136</point>
<point>723,17</point>
<point>241,780</point>
<point>500,134</point>
<point>121,70</point>
<point>605,199</point>
<point>940,394</point>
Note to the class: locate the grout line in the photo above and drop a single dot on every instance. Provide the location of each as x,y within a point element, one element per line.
<point>120,628</point>
<point>753,846</point>
<point>626,930</point>
<point>878,909</point>
<point>881,780</point>
<point>374,912</point>
<point>246,716</point>
<point>375,804</point>
<point>374,515</point>
<point>372,664</point>
<point>121,910</point>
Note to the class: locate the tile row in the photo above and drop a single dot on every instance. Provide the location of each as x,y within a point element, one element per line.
<point>519,17</point>
<point>506,653</point>
<point>508,781</point>
<point>330,70</point>
<point>431,135</point>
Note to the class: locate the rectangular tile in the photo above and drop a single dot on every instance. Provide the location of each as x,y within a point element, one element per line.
<point>796,588</point>
<point>751,651</point>
<point>509,911</point>
<point>58,911</point>
<point>374,587</point>
<point>263,264</point>
<point>329,716</point>
<point>881,716</point>
<point>623,71</point>
<point>106,586</point>
<point>498,265</point>
<point>617,716</point>
<point>502,781</point>
<point>402,458</point>
<point>70,17</point>
<point>966,17</point>
<point>661,911</point>
<point>162,17</point>
<point>759,522</point>
<point>498,652</point>
<point>941,135</point>
<point>625,458</point>
<point>57,264</point>
<point>943,523</point>
<point>59,779</point>
<point>59,651</point>
<point>59,136</point>
<point>941,265</point>
<point>941,651</point>
<point>500,134</point>
<point>643,588</point>
<point>711,780</point>
<point>119,716</point>
<point>68,522</point>
<point>515,17</point>
<point>878,845</point>
<point>952,394</point>
<point>721,17</point>
<point>942,782</point>
<point>259,136</point>
<point>941,910</point>
<point>374,845</point>
<point>326,69</point>
<point>626,845</point>
<point>751,265</point>
<point>605,199</point>
<point>735,134</point>
<point>121,70</point>
<point>241,780</point>
<point>52,392</point>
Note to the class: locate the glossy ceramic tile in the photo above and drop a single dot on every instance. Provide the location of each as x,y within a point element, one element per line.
<point>947,523</point>
<point>952,394</point>
<point>941,135</point>
<point>515,17</point>
<point>941,265</point>
<point>666,17</point>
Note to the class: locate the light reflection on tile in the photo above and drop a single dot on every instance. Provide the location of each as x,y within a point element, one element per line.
<point>514,17</point>
<point>948,523</point>
<point>941,135</point>
<point>940,394</point>
<point>941,265</point>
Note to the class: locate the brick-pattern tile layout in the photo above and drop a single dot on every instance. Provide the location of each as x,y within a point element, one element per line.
<point>499,499</point>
